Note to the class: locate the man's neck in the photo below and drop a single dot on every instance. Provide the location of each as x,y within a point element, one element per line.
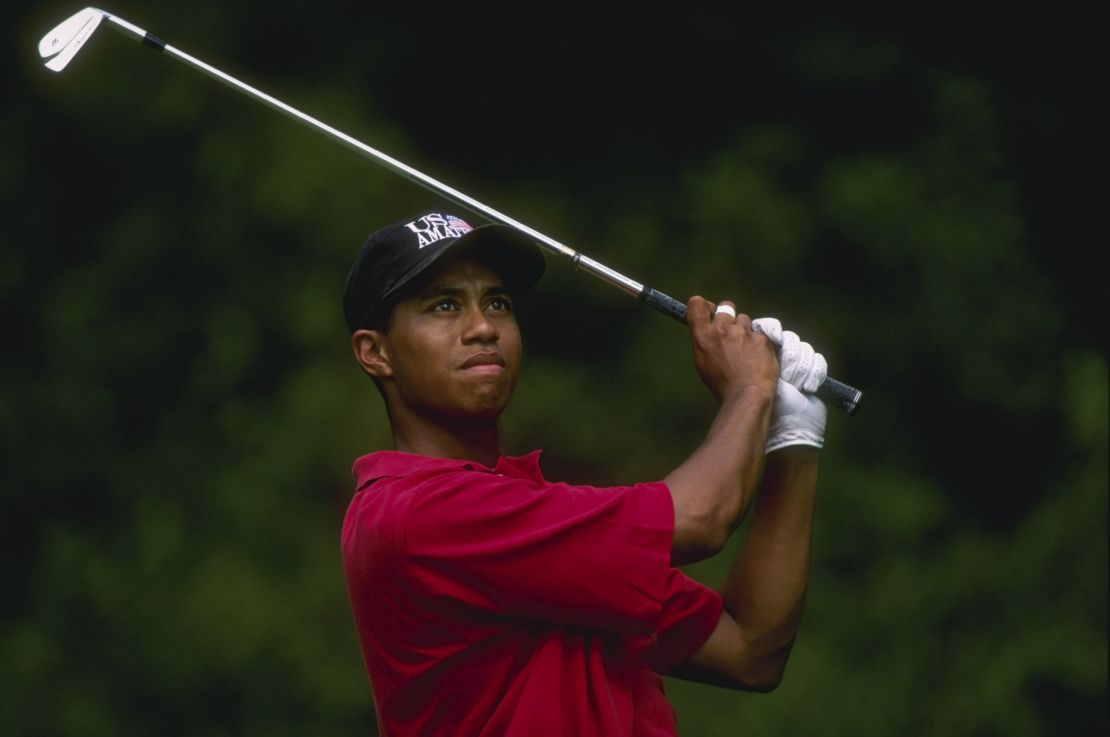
<point>473,440</point>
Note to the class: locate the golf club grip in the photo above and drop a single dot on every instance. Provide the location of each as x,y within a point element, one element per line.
<point>832,392</point>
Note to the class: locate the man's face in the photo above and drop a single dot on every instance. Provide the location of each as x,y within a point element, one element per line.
<point>453,345</point>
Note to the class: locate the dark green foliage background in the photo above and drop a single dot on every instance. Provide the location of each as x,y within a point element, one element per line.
<point>922,196</point>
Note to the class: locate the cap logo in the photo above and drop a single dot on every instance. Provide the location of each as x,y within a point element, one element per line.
<point>434,227</point>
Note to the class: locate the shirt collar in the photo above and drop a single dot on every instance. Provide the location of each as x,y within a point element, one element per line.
<point>394,463</point>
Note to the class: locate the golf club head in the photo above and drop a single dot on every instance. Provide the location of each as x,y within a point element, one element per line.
<point>63,42</point>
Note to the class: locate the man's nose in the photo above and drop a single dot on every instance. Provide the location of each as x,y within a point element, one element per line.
<point>479,327</point>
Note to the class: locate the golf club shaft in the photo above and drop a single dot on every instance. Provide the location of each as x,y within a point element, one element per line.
<point>831,391</point>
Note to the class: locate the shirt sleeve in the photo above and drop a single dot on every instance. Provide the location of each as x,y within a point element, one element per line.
<point>575,555</point>
<point>690,613</point>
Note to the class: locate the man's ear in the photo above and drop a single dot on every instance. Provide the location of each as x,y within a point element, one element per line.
<point>372,352</point>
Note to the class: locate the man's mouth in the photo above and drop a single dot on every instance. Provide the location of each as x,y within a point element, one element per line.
<point>485,362</point>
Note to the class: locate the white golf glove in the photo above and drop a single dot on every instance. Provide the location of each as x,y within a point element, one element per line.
<point>798,418</point>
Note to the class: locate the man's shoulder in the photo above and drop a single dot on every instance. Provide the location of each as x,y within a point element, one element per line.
<point>395,488</point>
<point>398,465</point>
<point>383,464</point>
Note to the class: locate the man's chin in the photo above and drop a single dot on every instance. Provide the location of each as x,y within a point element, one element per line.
<point>481,409</point>
<point>489,410</point>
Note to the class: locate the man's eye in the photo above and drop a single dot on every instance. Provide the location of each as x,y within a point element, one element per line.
<point>443,305</point>
<point>501,304</point>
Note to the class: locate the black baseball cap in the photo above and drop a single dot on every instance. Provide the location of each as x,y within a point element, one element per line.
<point>395,254</point>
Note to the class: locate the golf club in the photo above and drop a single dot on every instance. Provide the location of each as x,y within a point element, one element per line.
<point>60,45</point>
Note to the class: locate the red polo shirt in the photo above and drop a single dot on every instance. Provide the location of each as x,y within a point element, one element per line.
<point>492,602</point>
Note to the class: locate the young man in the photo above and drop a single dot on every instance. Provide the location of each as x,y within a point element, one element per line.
<point>490,601</point>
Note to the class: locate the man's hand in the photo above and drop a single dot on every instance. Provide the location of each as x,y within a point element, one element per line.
<point>800,365</point>
<point>798,419</point>
<point>729,355</point>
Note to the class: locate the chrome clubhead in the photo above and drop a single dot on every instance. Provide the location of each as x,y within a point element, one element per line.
<point>63,42</point>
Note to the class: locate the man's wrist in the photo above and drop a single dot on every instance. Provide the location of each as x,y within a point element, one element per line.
<point>798,443</point>
<point>748,398</point>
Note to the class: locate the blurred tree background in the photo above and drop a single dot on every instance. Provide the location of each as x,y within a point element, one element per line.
<point>922,196</point>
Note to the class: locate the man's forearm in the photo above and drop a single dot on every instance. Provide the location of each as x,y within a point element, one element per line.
<point>765,589</point>
<point>713,487</point>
